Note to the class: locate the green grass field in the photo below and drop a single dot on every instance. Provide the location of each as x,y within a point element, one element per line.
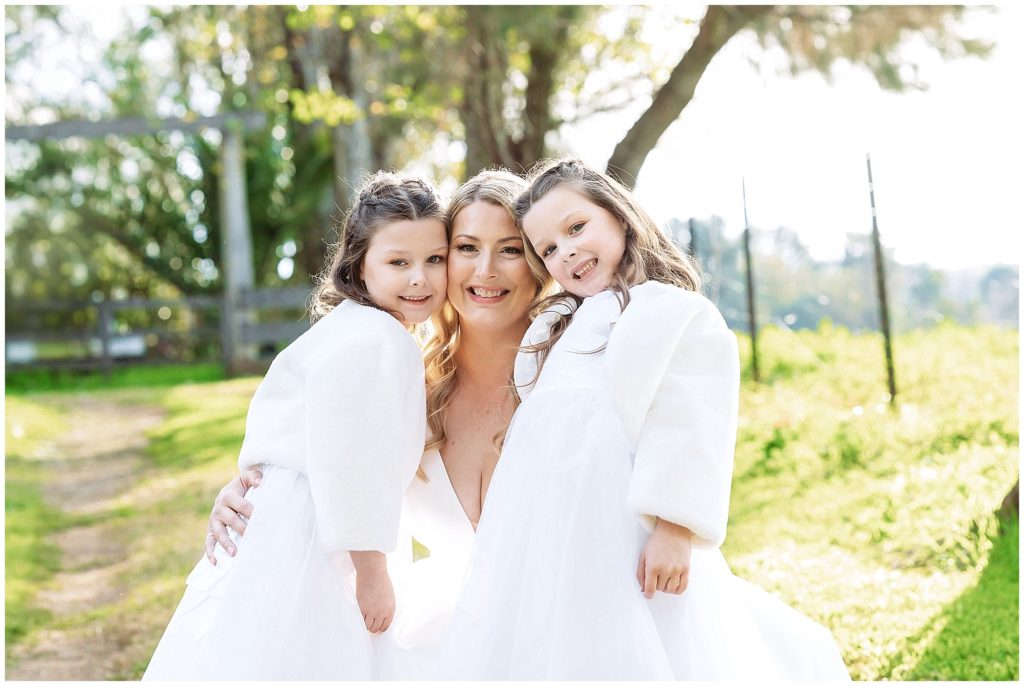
<point>876,520</point>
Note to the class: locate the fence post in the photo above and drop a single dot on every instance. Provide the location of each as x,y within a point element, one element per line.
<point>236,243</point>
<point>227,346</point>
<point>104,316</point>
<point>883,300</point>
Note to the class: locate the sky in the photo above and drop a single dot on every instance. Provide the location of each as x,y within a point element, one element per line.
<point>946,162</point>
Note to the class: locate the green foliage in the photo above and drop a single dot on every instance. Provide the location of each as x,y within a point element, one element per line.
<point>818,37</point>
<point>794,290</point>
<point>139,215</point>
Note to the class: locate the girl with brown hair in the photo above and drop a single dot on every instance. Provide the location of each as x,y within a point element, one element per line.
<point>337,428</point>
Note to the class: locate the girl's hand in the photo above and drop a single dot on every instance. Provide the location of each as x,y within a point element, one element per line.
<point>374,593</point>
<point>665,560</point>
<point>228,510</point>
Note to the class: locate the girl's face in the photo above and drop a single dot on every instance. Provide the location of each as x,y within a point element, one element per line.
<point>489,281</point>
<point>404,268</point>
<point>580,242</point>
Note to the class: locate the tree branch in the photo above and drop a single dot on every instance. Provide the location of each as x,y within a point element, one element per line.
<point>718,26</point>
<point>103,224</point>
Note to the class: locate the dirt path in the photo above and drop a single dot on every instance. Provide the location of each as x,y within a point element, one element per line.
<point>98,459</point>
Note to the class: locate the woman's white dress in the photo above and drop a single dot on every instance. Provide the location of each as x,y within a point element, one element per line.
<point>337,425</point>
<point>425,590</point>
<point>552,590</point>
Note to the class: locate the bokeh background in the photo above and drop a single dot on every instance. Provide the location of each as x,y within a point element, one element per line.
<point>175,174</point>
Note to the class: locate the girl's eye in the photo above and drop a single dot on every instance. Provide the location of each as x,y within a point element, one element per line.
<point>547,251</point>
<point>398,263</point>
<point>575,228</point>
<point>466,247</point>
<point>435,259</point>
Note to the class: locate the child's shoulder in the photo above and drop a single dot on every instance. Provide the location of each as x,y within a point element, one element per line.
<point>360,322</point>
<point>353,330</point>
<point>654,300</point>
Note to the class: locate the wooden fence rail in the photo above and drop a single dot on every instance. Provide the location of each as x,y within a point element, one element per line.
<point>104,342</point>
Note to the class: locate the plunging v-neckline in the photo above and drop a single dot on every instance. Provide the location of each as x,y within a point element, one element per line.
<point>451,489</point>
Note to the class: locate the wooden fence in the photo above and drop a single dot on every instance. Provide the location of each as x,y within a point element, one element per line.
<point>197,329</point>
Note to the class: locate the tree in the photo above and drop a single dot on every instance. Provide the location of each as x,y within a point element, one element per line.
<point>814,38</point>
<point>348,89</point>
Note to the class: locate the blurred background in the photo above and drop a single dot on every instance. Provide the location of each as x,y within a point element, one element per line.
<point>175,174</point>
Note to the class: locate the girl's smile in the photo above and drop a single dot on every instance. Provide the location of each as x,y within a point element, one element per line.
<point>580,242</point>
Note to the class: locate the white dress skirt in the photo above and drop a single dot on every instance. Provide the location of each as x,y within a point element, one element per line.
<point>552,592</point>
<point>281,609</point>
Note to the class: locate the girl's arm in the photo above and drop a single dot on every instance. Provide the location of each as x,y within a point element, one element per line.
<point>374,593</point>
<point>364,426</point>
<point>365,429</point>
<point>665,560</point>
<point>675,374</point>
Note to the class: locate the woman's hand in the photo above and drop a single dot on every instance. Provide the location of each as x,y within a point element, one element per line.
<point>665,560</point>
<point>374,593</point>
<point>228,510</point>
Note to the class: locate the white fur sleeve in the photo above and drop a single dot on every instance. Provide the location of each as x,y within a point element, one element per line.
<point>365,426</point>
<point>675,371</point>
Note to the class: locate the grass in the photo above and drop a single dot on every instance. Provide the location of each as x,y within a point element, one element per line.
<point>30,558</point>
<point>980,634</point>
<point>872,518</point>
<point>876,521</point>
<point>20,382</point>
<point>191,454</point>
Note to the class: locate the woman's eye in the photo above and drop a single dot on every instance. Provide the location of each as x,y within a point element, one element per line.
<point>575,228</point>
<point>398,263</point>
<point>511,250</point>
<point>435,259</point>
<point>466,247</point>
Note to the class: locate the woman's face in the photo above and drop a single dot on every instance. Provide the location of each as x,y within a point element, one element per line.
<point>489,282</point>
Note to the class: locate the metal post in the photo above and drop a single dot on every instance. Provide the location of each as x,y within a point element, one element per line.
<point>754,369</point>
<point>693,240</point>
<point>883,301</point>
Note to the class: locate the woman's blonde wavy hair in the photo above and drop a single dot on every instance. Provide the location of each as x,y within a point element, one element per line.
<point>649,255</point>
<point>498,187</point>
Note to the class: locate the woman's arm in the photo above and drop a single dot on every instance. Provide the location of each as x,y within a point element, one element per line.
<point>228,510</point>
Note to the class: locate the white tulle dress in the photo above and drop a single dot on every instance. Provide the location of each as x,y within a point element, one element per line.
<point>337,426</point>
<point>552,592</point>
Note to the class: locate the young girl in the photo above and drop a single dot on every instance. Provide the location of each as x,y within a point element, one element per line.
<point>338,427</point>
<point>615,475</point>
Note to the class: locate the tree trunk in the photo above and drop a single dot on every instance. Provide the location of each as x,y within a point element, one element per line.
<point>1011,503</point>
<point>483,101</point>
<point>540,87</point>
<point>719,24</point>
